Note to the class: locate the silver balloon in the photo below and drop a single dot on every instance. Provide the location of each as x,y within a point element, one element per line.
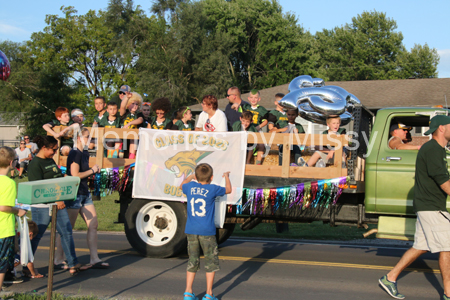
<point>315,101</point>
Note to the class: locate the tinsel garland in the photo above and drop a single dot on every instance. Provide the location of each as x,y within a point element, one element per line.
<point>307,195</point>
<point>108,180</point>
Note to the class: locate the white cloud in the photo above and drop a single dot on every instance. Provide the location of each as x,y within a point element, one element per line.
<point>11,30</point>
<point>444,63</point>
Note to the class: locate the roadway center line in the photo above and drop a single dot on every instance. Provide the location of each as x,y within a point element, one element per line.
<point>277,261</point>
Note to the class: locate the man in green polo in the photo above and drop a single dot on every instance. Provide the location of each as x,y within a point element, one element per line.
<point>431,187</point>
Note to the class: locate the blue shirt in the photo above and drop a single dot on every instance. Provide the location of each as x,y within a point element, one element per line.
<point>201,207</point>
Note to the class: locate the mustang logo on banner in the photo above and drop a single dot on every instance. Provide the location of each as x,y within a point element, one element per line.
<point>165,158</point>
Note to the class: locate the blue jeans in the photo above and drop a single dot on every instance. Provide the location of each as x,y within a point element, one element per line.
<point>42,218</point>
<point>81,201</point>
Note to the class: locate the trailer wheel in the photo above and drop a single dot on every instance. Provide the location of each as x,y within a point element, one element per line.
<point>156,228</point>
<point>222,234</point>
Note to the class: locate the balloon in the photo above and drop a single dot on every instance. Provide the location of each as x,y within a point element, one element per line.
<point>5,67</point>
<point>315,101</point>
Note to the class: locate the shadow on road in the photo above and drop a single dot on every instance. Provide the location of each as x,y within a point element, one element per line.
<point>243,273</point>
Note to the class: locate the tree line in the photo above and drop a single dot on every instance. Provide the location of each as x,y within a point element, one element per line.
<point>186,49</point>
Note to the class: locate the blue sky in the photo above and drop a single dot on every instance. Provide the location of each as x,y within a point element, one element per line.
<point>420,21</point>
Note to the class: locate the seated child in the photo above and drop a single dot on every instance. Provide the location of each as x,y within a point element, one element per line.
<point>322,158</point>
<point>100,107</point>
<point>111,121</point>
<point>130,118</point>
<point>62,119</point>
<point>145,114</point>
<point>259,120</point>
<point>292,127</point>
<point>184,117</point>
<point>278,115</point>
<point>161,106</point>
<point>245,124</point>
<point>200,228</point>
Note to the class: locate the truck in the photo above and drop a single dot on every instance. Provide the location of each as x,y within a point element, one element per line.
<point>378,189</point>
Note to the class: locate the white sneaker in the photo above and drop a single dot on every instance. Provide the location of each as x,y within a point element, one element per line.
<point>320,163</point>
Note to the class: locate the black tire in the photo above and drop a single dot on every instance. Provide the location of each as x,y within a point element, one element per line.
<point>150,239</point>
<point>222,234</point>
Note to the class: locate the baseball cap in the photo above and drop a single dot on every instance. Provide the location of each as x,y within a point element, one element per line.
<point>399,126</point>
<point>437,121</point>
<point>125,89</point>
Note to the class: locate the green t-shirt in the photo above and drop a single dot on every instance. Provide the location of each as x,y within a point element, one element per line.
<point>98,119</point>
<point>431,172</point>
<point>166,124</point>
<point>105,122</point>
<point>179,125</point>
<point>259,113</point>
<point>278,118</point>
<point>340,131</point>
<point>65,140</point>
<point>237,126</point>
<point>129,117</point>
<point>43,168</point>
<point>7,198</point>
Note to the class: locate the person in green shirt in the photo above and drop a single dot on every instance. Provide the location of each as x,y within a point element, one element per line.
<point>161,107</point>
<point>245,124</point>
<point>431,188</point>
<point>184,117</point>
<point>277,116</point>
<point>7,216</point>
<point>111,120</point>
<point>62,115</point>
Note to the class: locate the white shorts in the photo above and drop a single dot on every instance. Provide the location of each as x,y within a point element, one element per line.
<point>432,231</point>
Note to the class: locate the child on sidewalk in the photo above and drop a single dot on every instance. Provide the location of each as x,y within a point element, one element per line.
<point>200,228</point>
<point>322,158</point>
<point>7,218</point>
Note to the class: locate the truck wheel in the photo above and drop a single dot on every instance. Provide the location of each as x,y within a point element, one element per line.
<point>222,234</point>
<point>156,228</point>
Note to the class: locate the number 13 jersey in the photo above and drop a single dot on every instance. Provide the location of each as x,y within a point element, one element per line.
<point>201,207</point>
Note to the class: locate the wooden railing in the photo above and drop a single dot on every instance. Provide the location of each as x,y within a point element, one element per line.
<point>283,171</point>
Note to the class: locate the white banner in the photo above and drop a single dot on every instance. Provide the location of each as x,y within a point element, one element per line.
<point>166,157</point>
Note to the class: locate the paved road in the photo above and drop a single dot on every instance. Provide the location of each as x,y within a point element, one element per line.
<point>251,269</point>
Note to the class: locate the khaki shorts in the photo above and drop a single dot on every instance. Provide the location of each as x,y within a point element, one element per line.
<point>207,243</point>
<point>432,231</point>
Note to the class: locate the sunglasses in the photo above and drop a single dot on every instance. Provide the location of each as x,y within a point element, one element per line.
<point>26,138</point>
<point>230,95</point>
<point>22,143</point>
<point>146,104</point>
<point>121,93</point>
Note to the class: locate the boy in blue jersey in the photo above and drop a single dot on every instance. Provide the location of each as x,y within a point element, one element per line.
<point>200,228</point>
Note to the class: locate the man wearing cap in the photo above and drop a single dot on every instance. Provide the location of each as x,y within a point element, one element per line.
<point>124,92</point>
<point>431,187</point>
<point>398,131</point>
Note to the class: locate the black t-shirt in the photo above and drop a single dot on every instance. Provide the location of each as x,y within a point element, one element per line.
<point>232,115</point>
<point>40,168</point>
<point>431,173</point>
<point>146,121</point>
<point>82,159</point>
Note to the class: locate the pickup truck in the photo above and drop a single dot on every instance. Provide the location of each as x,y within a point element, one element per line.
<point>378,190</point>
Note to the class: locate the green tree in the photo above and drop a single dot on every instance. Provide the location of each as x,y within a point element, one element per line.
<point>269,48</point>
<point>369,48</point>
<point>86,47</point>
<point>184,60</point>
<point>421,62</point>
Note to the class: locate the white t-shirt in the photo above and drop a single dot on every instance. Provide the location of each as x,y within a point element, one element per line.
<point>216,123</point>
<point>32,146</point>
<point>23,154</point>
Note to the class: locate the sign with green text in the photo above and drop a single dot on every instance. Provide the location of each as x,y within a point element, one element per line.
<point>48,191</point>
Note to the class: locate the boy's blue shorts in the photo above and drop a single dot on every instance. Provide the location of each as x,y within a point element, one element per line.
<point>7,254</point>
